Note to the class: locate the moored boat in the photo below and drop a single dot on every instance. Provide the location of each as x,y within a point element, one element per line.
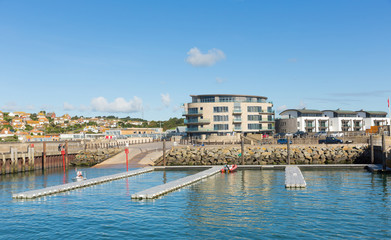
<point>229,168</point>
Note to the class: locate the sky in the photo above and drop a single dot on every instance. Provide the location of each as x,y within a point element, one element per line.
<point>144,59</point>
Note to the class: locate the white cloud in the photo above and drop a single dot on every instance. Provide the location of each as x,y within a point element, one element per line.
<point>166,99</point>
<point>120,105</point>
<point>219,80</point>
<point>198,59</point>
<point>10,106</point>
<point>67,106</point>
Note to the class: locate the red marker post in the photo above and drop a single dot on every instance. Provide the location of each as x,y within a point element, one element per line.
<point>126,152</point>
<point>63,158</point>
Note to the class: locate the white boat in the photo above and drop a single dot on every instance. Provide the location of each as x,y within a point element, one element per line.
<point>80,176</point>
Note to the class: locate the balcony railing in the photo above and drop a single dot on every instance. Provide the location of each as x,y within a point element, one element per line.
<point>237,120</point>
<point>237,111</point>
<point>197,122</point>
<point>199,130</point>
<point>237,129</point>
<point>187,113</point>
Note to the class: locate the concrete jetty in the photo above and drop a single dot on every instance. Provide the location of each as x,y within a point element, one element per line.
<point>157,191</point>
<point>74,185</point>
<point>294,178</point>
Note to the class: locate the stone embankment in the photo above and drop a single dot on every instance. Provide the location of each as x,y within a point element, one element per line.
<point>92,157</point>
<point>272,155</point>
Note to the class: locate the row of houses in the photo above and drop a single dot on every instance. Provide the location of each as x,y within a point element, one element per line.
<point>20,120</point>
<point>311,120</point>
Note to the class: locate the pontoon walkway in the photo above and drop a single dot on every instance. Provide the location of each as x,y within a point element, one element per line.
<point>70,186</point>
<point>157,191</point>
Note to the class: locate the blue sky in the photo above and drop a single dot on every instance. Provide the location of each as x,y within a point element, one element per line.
<point>144,58</point>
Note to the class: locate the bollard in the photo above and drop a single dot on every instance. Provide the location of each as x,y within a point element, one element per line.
<point>164,152</point>
<point>372,152</point>
<point>43,155</point>
<point>242,148</point>
<point>384,151</point>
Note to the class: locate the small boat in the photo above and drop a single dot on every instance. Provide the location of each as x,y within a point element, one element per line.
<point>229,168</point>
<point>80,176</point>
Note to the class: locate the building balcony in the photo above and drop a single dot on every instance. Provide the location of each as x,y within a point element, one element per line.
<point>186,113</point>
<point>197,122</point>
<point>237,111</point>
<point>267,121</point>
<point>267,112</point>
<point>199,130</point>
<point>237,129</point>
<point>237,120</point>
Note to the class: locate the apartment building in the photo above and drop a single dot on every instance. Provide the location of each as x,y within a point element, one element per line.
<point>310,120</point>
<point>224,114</point>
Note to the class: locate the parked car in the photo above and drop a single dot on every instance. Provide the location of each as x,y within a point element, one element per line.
<point>300,134</point>
<point>279,135</point>
<point>320,134</point>
<point>283,141</point>
<point>330,140</point>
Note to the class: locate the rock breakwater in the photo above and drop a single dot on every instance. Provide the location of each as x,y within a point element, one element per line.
<point>271,155</point>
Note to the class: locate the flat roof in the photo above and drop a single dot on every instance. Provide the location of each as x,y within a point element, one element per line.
<point>226,95</point>
<point>341,111</point>
<point>374,112</point>
<point>303,111</point>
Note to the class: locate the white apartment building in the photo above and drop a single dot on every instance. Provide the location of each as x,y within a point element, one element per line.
<point>225,114</point>
<point>309,120</point>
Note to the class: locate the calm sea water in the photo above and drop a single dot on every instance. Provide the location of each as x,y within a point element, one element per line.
<point>244,205</point>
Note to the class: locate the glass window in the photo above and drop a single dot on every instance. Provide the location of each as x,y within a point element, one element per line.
<point>220,127</point>
<point>220,109</point>
<point>226,99</point>
<point>254,126</point>
<point>254,109</point>
<point>207,99</point>
<point>220,118</point>
<point>254,118</point>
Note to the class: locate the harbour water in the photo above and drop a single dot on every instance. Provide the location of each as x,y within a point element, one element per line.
<point>247,204</point>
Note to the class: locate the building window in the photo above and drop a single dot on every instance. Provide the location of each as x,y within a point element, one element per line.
<point>220,109</point>
<point>254,126</point>
<point>254,109</point>
<point>226,99</point>
<point>207,99</point>
<point>193,110</point>
<point>220,118</point>
<point>254,118</point>
<point>218,127</point>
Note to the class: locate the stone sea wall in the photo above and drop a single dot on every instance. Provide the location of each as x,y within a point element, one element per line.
<point>92,157</point>
<point>272,155</point>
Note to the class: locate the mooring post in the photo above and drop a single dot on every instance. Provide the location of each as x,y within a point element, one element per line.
<point>372,152</point>
<point>383,147</point>
<point>288,150</point>
<point>66,154</point>
<point>43,155</point>
<point>164,152</point>
<point>242,148</point>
